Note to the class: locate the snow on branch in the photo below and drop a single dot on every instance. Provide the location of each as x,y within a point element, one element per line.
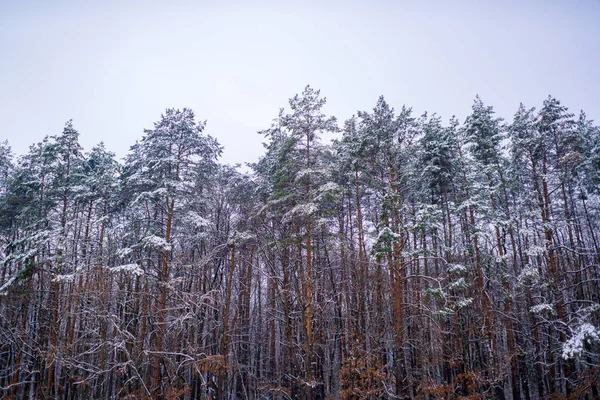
<point>64,278</point>
<point>584,333</point>
<point>156,243</point>
<point>4,288</point>
<point>132,269</point>
<point>301,210</point>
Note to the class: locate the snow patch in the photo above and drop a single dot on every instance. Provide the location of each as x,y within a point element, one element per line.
<point>241,237</point>
<point>387,235</point>
<point>64,278</point>
<point>458,284</point>
<point>124,252</point>
<point>328,189</point>
<point>585,333</point>
<point>456,268</point>
<point>156,243</point>
<point>464,303</point>
<point>197,220</point>
<point>539,308</point>
<point>301,210</point>
<point>133,269</point>
<point>528,274</point>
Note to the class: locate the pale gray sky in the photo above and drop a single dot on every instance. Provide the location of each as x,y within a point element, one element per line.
<point>114,66</point>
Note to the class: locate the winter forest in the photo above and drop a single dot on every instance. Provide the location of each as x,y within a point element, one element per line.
<point>411,257</point>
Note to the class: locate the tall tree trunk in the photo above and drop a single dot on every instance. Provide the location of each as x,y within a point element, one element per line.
<point>162,303</point>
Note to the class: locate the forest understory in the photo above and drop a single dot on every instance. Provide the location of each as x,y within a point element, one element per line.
<point>409,258</point>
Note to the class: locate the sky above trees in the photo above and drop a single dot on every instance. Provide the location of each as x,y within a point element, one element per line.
<point>113,66</point>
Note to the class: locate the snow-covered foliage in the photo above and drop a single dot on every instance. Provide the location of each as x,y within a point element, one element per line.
<point>133,269</point>
<point>64,278</point>
<point>542,308</point>
<point>124,252</point>
<point>242,237</point>
<point>582,334</point>
<point>456,268</point>
<point>464,303</point>
<point>308,172</point>
<point>411,257</point>
<point>387,235</point>
<point>300,211</point>
<point>156,243</point>
<point>528,274</point>
<point>197,220</point>
<point>458,284</point>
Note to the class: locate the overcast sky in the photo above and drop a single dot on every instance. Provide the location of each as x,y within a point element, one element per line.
<point>114,66</point>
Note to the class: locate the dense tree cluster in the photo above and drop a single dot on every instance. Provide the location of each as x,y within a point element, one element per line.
<point>410,258</point>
